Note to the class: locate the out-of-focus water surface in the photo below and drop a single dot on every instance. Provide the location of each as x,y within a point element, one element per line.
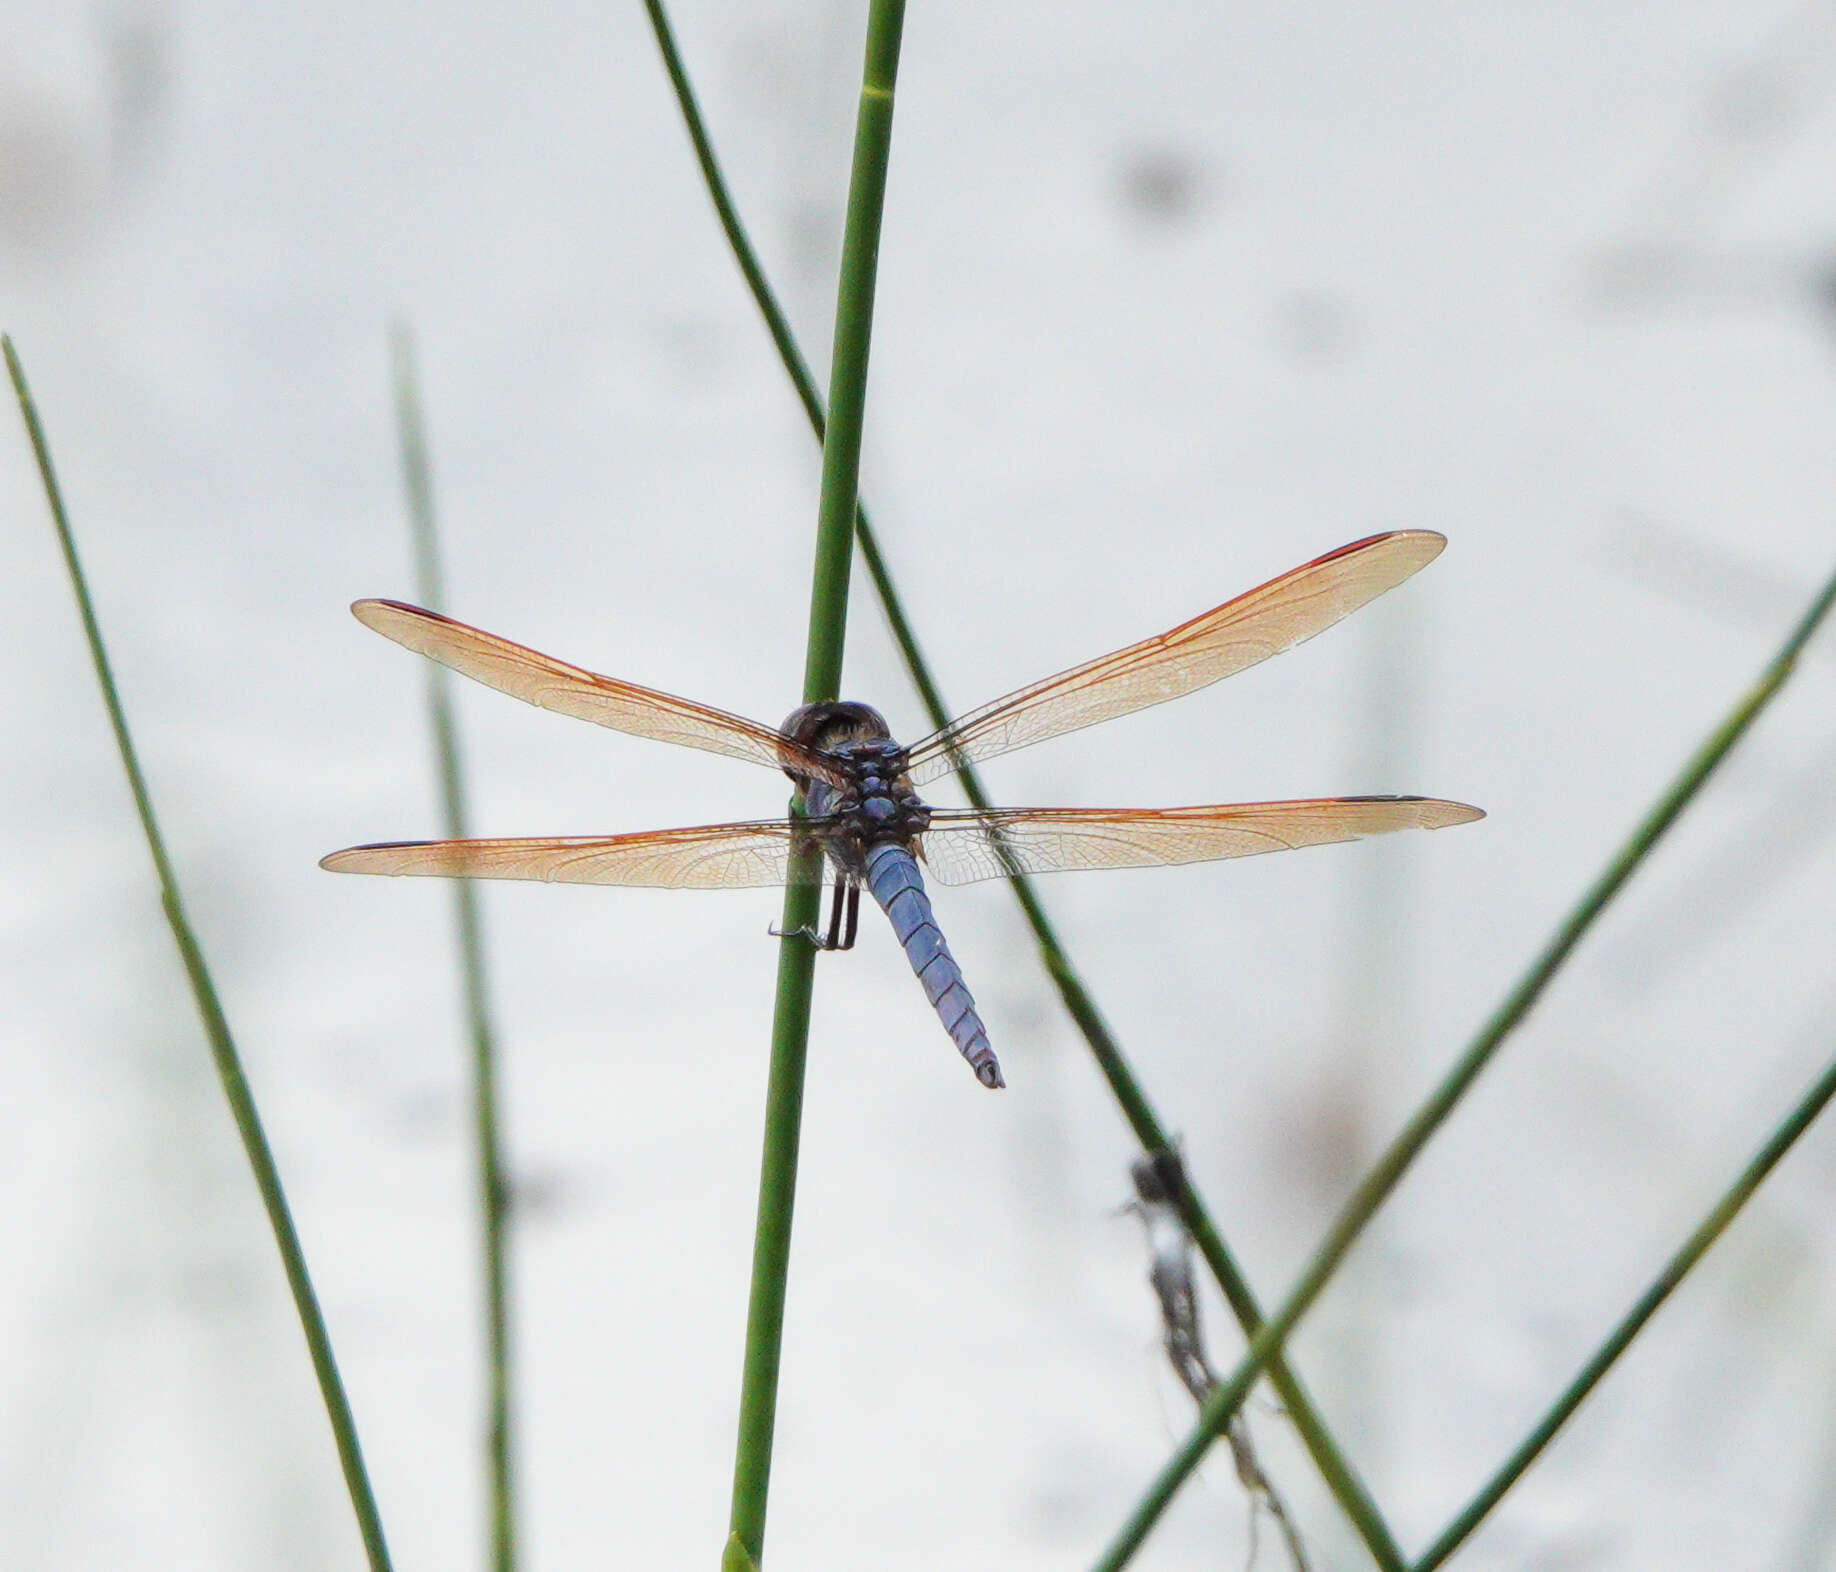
<point>1170,302</point>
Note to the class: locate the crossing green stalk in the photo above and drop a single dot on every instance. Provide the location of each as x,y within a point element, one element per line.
<point>494,1195</point>
<point>236,1091</point>
<point>1335,1467</point>
<point>1384,1176</point>
<point>1632,1323</point>
<point>841,463</point>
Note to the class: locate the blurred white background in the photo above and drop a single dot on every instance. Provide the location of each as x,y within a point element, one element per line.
<point>1171,301</point>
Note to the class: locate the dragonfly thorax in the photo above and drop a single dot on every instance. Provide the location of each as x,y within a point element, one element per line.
<point>872,801</point>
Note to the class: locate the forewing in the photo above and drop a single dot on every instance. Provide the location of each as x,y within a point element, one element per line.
<point>705,857</point>
<point>569,690</point>
<point>1238,634</point>
<point>963,845</point>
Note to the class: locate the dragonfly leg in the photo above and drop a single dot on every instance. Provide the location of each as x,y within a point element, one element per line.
<point>848,895</point>
<point>837,900</point>
<point>805,932</point>
<point>843,929</point>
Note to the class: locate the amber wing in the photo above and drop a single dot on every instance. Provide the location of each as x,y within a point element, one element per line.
<point>963,845</point>
<point>1236,635</point>
<point>704,857</point>
<point>552,684</point>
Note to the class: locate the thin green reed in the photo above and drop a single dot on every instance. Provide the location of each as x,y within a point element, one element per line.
<point>236,1091</point>
<point>1347,1488</point>
<point>493,1191</point>
<point>1383,1177</point>
<point>1692,1250</point>
<point>841,461</point>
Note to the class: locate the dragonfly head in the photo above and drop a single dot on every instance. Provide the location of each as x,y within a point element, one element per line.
<point>831,726</point>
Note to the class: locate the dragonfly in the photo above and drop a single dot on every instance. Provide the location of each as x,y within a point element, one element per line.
<point>858,820</point>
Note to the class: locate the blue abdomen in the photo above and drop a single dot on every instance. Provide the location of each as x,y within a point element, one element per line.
<point>893,878</point>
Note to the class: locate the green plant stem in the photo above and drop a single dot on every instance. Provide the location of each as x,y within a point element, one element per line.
<point>235,1084</point>
<point>1643,1308</point>
<point>493,1192</point>
<point>841,461</point>
<point>1390,1167</point>
<point>1347,1488</point>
